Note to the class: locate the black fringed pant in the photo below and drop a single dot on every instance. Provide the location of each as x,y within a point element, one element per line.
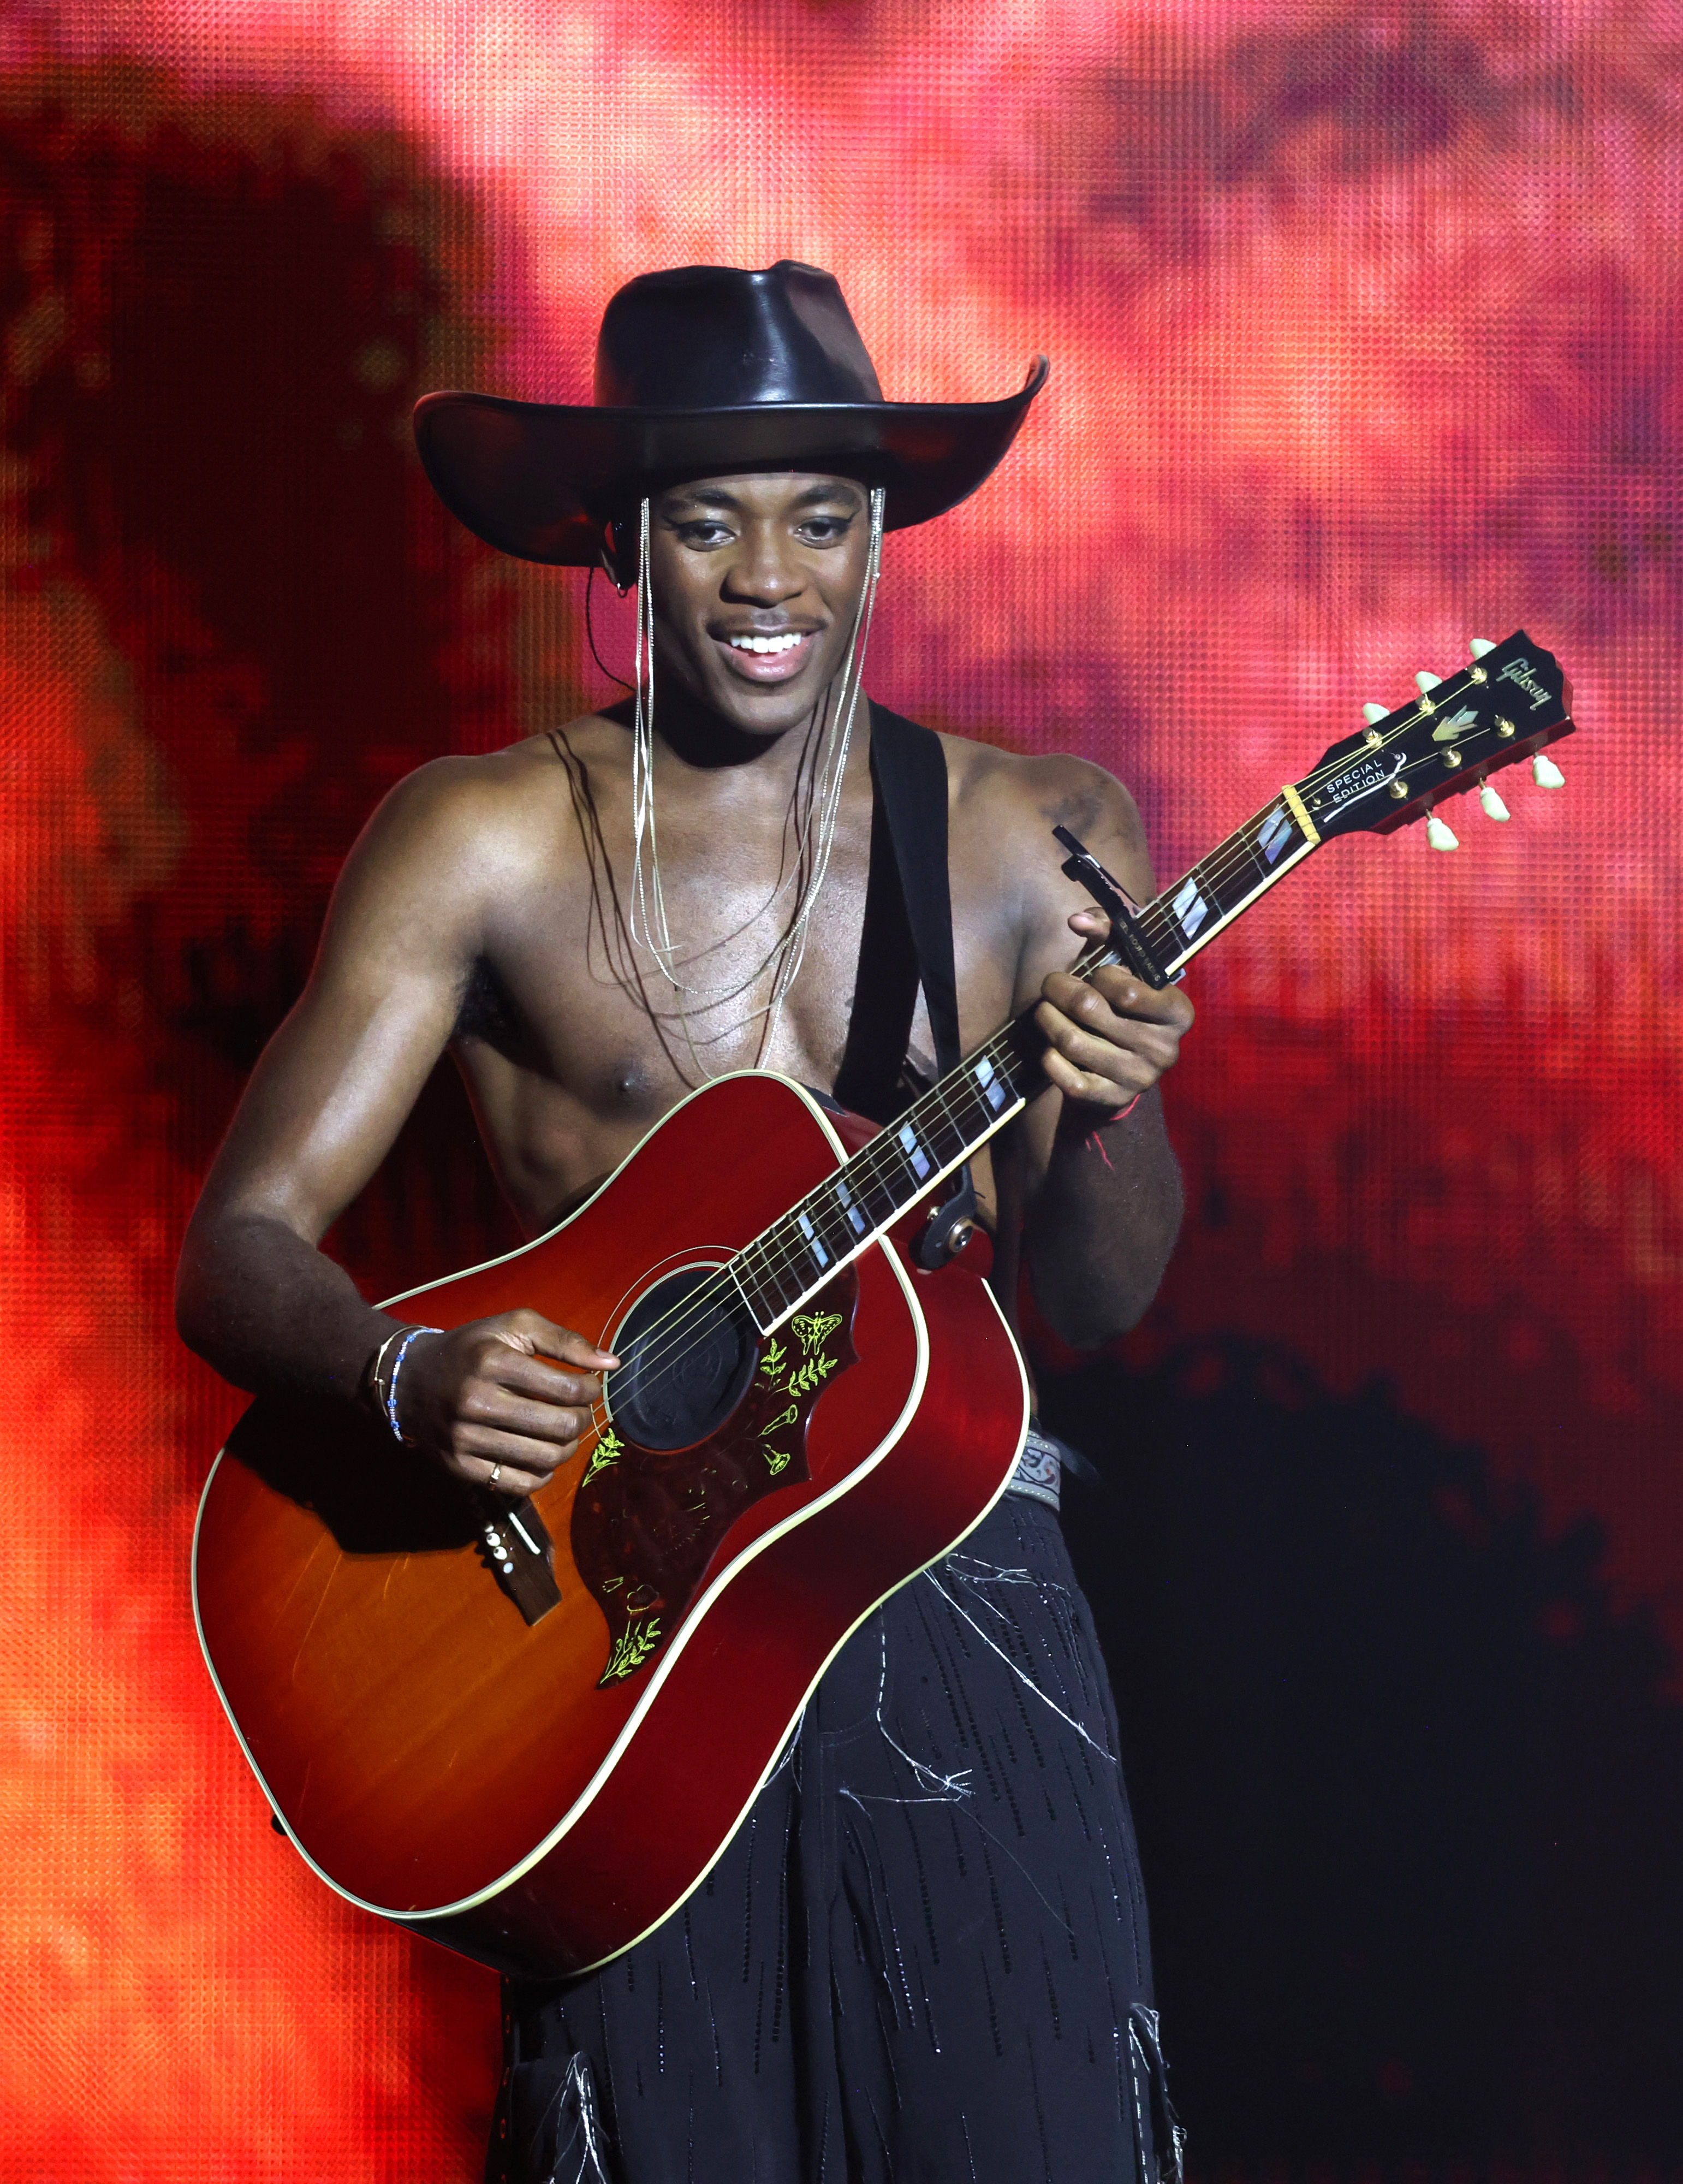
<point>922,1960</point>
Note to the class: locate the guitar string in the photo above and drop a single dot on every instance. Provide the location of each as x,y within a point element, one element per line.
<point>771,1260</point>
<point>773,1263</point>
<point>874,1166</point>
<point>776,1261</point>
<point>871,1167</point>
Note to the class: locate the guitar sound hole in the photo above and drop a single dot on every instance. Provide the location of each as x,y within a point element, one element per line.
<point>686,1352</point>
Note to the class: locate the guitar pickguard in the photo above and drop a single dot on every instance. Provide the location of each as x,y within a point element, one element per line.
<point>647,1521</point>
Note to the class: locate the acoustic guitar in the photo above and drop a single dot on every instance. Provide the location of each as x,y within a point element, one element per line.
<point>527,1730</point>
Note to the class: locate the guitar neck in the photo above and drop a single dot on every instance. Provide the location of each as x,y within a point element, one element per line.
<point>794,1258</point>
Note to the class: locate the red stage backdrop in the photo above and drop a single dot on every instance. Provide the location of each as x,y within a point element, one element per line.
<point>1363,322</point>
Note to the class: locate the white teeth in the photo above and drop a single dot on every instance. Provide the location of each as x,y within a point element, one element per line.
<point>786,643</point>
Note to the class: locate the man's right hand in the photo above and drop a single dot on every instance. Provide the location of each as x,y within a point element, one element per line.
<point>514,1390</point>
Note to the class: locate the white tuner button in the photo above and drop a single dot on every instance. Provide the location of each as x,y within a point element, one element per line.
<point>1545,773</point>
<point>1479,646</point>
<point>1494,806</point>
<point>1439,835</point>
<point>1373,714</point>
<point>1423,682</point>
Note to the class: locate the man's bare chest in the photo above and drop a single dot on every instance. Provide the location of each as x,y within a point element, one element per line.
<point>611,992</point>
<point>601,996</point>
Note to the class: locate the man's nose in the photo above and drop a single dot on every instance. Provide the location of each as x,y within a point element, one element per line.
<point>763,570</point>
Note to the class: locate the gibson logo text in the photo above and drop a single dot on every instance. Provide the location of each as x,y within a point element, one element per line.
<point>1518,672</point>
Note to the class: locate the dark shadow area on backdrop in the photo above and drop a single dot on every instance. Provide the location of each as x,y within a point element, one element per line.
<point>1408,1794</point>
<point>235,315</point>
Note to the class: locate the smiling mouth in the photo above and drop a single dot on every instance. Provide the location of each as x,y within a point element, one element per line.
<point>770,655</point>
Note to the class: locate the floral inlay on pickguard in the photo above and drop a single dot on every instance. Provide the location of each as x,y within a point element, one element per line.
<point>646,1522</point>
<point>608,1451</point>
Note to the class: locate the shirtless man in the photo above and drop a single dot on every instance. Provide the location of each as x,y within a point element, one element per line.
<point>480,879</point>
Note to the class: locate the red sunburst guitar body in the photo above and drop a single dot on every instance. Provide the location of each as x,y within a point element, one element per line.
<point>539,1794</point>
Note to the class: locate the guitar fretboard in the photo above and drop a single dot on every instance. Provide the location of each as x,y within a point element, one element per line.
<point>1188,916</point>
<point>797,1255</point>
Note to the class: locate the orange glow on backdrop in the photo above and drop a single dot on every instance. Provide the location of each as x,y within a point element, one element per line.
<point>1364,330</point>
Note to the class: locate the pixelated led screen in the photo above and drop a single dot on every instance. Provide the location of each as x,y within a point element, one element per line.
<point>1364,338</point>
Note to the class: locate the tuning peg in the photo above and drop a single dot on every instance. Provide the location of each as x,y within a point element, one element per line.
<point>1438,834</point>
<point>1479,646</point>
<point>1494,806</point>
<point>1425,683</point>
<point>1373,714</point>
<point>1545,773</point>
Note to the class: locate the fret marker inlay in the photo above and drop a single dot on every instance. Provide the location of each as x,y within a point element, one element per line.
<point>1190,908</point>
<point>915,1153</point>
<point>1276,832</point>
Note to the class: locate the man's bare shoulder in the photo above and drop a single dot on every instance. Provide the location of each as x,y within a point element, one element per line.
<point>1002,796</point>
<point>495,807</point>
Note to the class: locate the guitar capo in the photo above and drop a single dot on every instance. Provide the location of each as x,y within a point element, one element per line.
<point>1082,866</point>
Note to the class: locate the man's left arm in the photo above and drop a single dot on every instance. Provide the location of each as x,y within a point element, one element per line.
<point>1105,1196</point>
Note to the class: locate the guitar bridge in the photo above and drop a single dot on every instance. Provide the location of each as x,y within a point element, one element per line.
<point>516,1548</point>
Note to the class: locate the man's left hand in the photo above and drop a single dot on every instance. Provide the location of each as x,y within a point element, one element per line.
<point>1111,1036</point>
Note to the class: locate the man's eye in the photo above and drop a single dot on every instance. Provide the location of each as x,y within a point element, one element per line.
<point>825,530</point>
<point>702,534</point>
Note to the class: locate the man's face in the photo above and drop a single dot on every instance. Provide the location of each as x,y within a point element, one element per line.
<point>756,582</point>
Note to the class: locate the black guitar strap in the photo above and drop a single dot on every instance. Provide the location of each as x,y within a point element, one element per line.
<point>871,1079</point>
<point>907,937</point>
<point>911,780</point>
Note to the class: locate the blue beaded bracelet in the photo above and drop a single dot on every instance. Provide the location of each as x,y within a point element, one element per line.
<point>391,1397</point>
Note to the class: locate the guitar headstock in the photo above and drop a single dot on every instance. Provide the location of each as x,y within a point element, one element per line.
<point>1454,735</point>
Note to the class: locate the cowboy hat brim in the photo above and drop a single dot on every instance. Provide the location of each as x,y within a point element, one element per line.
<point>538,479</point>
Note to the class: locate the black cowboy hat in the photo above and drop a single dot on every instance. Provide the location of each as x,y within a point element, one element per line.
<point>701,372</point>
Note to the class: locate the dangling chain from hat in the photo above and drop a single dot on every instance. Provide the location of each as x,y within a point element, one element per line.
<point>813,845</point>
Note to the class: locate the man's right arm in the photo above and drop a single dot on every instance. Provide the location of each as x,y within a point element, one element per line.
<point>255,1296</point>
